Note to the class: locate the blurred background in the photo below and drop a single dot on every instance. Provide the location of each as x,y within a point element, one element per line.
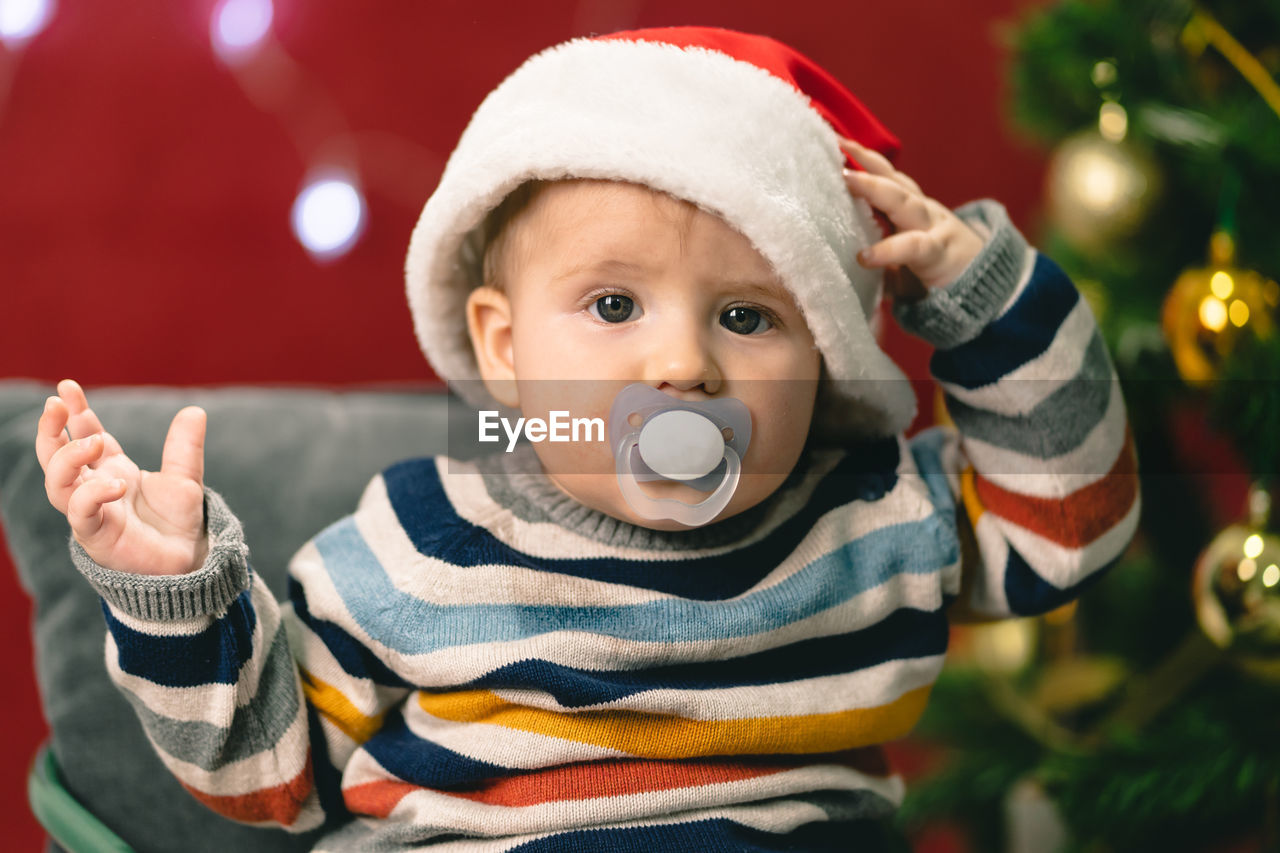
<point>213,193</point>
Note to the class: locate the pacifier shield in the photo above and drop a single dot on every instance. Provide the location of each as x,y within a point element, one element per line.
<point>696,442</point>
<point>681,445</point>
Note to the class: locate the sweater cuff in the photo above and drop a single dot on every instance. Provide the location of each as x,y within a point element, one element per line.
<point>955,314</point>
<point>206,592</point>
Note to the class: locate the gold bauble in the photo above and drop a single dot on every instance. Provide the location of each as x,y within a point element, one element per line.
<point>1236,590</point>
<point>1100,191</point>
<point>1005,647</point>
<point>1207,310</point>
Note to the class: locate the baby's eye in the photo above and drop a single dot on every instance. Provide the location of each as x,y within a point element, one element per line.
<point>614,308</point>
<point>745,321</point>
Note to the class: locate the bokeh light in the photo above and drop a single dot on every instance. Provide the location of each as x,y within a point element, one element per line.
<point>329,216</point>
<point>239,26</point>
<point>22,20</point>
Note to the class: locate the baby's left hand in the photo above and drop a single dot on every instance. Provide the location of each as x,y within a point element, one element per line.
<point>929,240</point>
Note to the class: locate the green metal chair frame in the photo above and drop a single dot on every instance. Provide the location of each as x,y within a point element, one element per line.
<point>68,823</point>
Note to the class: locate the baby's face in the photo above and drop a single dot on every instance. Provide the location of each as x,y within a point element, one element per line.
<point>607,284</point>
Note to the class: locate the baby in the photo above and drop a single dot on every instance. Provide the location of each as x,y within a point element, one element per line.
<point>523,653</point>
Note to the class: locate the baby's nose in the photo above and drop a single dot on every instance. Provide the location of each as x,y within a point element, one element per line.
<point>683,362</point>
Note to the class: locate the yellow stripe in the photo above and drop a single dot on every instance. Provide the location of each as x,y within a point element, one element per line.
<point>329,701</point>
<point>969,495</point>
<point>649,735</point>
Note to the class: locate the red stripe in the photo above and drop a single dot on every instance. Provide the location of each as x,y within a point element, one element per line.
<point>281,804</point>
<point>597,779</point>
<point>1077,519</point>
<point>377,798</point>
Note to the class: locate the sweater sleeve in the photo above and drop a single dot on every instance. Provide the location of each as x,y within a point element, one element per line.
<point>1040,463</point>
<point>255,707</point>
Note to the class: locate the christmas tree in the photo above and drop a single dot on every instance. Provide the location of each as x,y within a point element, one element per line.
<point>1146,715</point>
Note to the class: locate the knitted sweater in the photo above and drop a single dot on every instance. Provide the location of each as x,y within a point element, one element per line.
<point>474,661</point>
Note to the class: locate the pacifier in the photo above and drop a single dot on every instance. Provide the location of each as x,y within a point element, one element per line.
<point>655,436</point>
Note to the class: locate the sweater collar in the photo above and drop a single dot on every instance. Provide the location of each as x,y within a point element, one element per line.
<point>517,482</point>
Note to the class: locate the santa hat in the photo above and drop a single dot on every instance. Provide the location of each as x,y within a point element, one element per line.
<point>740,125</point>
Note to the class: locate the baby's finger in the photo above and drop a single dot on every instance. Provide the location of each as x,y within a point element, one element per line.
<point>50,431</point>
<point>876,163</point>
<point>905,209</point>
<point>82,420</point>
<point>65,467</point>
<point>84,509</point>
<point>917,249</point>
<point>183,452</point>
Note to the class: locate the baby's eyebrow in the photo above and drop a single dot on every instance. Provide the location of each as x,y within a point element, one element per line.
<point>760,290</point>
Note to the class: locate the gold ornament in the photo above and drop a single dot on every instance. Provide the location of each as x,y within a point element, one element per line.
<point>1003,648</point>
<point>1236,586</point>
<point>1208,308</point>
<point>1101,188</point>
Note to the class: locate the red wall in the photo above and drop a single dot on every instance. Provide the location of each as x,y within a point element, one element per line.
<point>145,189</point>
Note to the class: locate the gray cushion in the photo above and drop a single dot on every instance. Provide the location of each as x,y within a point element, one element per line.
<point>288,461</point>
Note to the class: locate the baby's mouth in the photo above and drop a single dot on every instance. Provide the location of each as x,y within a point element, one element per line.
<point>662,440</point>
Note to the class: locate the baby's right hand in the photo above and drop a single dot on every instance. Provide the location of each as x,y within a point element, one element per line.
<point>126,519</point>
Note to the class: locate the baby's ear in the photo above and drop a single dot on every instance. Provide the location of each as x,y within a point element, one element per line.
<point>489,325</point>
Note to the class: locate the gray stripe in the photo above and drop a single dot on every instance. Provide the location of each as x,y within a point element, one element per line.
<point>851,805</point>
<point>254,728</point>
<point>1058,424</point>
<point>208,591</point>
<point>952,315</point>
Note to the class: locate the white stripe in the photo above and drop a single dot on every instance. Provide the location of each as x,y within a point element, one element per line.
<point>311,653</point>
<point>214,704</point>
<point>163,628</point>
<point>460,664</point>
<point>506,747</point>
<point>774,816</point>
<point>1024,278</point>
<point>1022,389</point>
<point>437,581</point>
<point>1063,566</point>
<point>861,689</point>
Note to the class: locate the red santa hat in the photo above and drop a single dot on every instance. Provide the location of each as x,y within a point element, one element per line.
<point>740,125</point>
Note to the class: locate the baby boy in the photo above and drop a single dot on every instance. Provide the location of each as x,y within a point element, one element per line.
<point>519,653</point>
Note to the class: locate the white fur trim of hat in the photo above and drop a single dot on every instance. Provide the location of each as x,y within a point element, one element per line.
<point>695,122</point>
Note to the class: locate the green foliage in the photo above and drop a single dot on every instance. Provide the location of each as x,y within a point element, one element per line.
<point>1246,402</point>
<point>1206,768</point>
<point>1202,772</point>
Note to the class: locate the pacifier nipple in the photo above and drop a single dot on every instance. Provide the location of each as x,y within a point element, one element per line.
<point>699,443</point>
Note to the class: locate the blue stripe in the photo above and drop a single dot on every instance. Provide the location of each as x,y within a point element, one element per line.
<point>1020,335</point>
<point>867,473</point>
<point>409,625</point>
<point>327,777</point>
<point>213,656</point>
<point>720,835</point>
<point>926,451</point>
<point>355,658</point>
<point>1029,594</point>
<point>423,762</point>
<point>903,635</point>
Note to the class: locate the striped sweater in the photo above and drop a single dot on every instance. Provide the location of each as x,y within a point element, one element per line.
<point>473,662</point>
